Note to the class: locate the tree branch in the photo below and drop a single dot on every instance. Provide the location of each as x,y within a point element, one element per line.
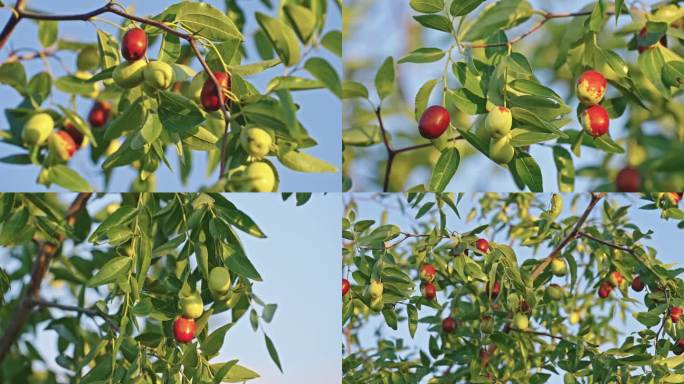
<point>12,23</point>
<point>595,198</point>
<point>32,291</point>
<point>92,312</point>
<point>604,242</point>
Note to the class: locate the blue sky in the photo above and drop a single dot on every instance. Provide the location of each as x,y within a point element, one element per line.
<point>666,240</point>
<point>300,266</point>
<point>320,110</point>
<point>385,34</point>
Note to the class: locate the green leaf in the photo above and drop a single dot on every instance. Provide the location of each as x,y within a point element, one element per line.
<point>651,63</point>
<point>673,74</point>
<point>177,113</point>
<point>204,20</point>
<point>302,20</point>
<point>269,312</point>
<point>464,7</point>
<point>565,168</point>
<point>68,178</point>
<point>503,15</point>
<point>239,374</point>
<point>273,352</point>
<point>362,136</point>
<point>131,119</point>
<point>352,89</point>
<point>14,75</point>
<point>282,37</point>
<point>109,49</point>
<point>423,97</point>
<point>303,162</point>
<point>47,32</point>
<point>237,262</point>
<point>170,50</point>
<point>427,6</point>
<point>437,22</point>
<point>423,55</point>
<point>292,83</point>
<point>412,319</point>
<point>444,170</point>
<point>325,73</point>
<point>332,41</point>
<point>212,344</point>
<point>384,78</point>
<point>527,169</point>
<point>110,272</point>
<point>119,218</point>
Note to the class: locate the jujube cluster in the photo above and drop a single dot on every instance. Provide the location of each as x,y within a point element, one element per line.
<point>591,89</point>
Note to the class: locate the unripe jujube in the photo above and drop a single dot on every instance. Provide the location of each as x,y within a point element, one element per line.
<point>256,142</point>
<point>499,122</point>
<point>158,75</point>
<point>129,74</point>
<point>260,177</point>
<point>558,267</point>
<point>192,305</point>
<point>376,289</point>
<point>219,281</point>
<point>37,129</point>
<point>501,151</point>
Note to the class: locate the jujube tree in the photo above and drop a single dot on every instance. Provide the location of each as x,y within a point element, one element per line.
<point>176,81</point>
<point>491,316</point>
<point>128,286</point>
<point>507,76</point>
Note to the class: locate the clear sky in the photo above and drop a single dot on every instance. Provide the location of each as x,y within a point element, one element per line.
<point>385,34</point>
<point>666,240</point>
<point>320,110</point>
<point>300,266</point>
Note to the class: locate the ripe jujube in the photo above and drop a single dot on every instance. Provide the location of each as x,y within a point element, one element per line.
<point>615,279</point>
<point>496,289</point>
<point>676,314</point>
<point>482,245</point>
<point>427,272</point>
<point>628,180</point>
<point>345,286</point>
<point>61,145</point>
<point>184,329</point>
<point>428,290</point>
<point>591,87</point>
<point>75,134</point>
<point>434,122</point>
<point>448,325</point>
<point>596,121</point>
<point>99,114</point>
<point>637,284</point>
<point>209,97</point>
<point>605,289</point>
<point>134,44</point>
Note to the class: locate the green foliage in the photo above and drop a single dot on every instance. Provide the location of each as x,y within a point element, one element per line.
<point>526,333</point>
<point>129,266</point>
<point>505,52</point>
<point>150,118</point>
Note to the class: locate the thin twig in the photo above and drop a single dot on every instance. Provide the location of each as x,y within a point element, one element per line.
<point>92,312</point>
<point>32,291</point>
<point>595,198</point>
<point>604,242</point>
